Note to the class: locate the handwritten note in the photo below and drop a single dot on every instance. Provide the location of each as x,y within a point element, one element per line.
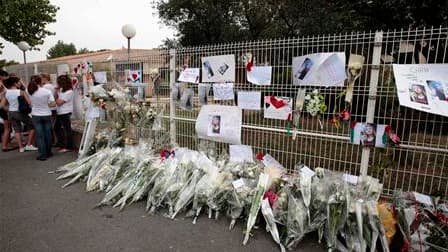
<point>241,153</point>
<point>190,75</point>
<point>249,100</point>
<point>223,91</point>
<point>260,75</point>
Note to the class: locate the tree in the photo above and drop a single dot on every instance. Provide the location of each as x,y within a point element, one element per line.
<point>5,63</point>
<point>26,20</point>
<point>61,49</point>
<point>83,50</point>
<point>218,21</point>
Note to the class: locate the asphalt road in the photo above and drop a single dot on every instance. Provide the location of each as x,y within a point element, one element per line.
<point>36,214</point>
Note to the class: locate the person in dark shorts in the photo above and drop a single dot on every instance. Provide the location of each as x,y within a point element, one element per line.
<point>4,113</point>
<point>17,118</point>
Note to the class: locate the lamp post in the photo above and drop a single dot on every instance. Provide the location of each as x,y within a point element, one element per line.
<point>128,32</point>
<point>24,46</point>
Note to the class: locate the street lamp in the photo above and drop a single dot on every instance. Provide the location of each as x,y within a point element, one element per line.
<point>23,46</point>
<point>128,32</point>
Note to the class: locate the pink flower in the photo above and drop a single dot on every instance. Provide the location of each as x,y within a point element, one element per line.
<point>271,196</point>
<point>345,115</point>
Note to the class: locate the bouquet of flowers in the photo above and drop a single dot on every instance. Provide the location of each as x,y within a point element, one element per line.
<point>239,199</point>
<point>315,105</point>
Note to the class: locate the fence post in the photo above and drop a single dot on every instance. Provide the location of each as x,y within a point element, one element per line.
<point>172,105</point>
<point>373,84</point>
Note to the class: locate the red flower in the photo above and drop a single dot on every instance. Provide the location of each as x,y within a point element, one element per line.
<point>394,138</point>
<point>260,156</point>
<point>271,196</point>
<point>388,129</point>
<point>165,154</point>
<point>352,124</point>
<point>249,66</point>
<point>345,115</point>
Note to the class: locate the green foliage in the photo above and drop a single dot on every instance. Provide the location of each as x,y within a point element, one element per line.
<point>217,21</point>
<point>61,49</point>
<point>5,63</point>
<point>26,20</point>
<point>84,50</point>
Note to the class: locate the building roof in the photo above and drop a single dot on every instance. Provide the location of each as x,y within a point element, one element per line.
<point>116,55</point>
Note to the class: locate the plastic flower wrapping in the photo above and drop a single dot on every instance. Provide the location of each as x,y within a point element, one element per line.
<point>343,211</point>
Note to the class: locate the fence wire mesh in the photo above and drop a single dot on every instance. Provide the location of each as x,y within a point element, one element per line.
<point>420,163</point>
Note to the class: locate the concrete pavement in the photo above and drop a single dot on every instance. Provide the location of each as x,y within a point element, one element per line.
<point>36,214</point>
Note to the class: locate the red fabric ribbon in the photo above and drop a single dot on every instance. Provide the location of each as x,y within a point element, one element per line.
<point>352,124</point>
<point>249,66</point>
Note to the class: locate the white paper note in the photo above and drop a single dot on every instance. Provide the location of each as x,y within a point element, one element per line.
<point>307,171</point>
<point>219,123</point>
<point>260,75</point>
<point>423,87</point>
<point>241,153</point>
<point>238,183</point>
<point>100,77</point>
<point>319,69</point>
<point>218,68</point>
<point>270,161</point>
<point>223,91</point>
<point>250,100</point>
<point>277,107</point>
<point>352,179</point>
<point>190,75</point>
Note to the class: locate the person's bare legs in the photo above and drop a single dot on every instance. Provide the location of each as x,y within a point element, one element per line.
<point>19,139</point>
<point>6,132</point>
<point>31,137</point>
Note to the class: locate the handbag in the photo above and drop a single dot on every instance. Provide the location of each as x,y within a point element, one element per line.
<point>24,107</point>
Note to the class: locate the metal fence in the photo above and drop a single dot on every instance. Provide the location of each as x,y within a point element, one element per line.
<point>420,163</point>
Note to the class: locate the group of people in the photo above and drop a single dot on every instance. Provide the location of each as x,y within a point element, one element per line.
<point>42,109</point>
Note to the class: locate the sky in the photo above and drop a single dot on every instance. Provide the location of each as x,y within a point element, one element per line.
<point>96,24</point>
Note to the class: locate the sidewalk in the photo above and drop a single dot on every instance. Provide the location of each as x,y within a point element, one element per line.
<point>38,215</point>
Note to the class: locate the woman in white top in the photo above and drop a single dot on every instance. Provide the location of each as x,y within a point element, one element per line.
<point>4,113</point>
<point>63,126</point>
<point>41,101</point>
<point>17,118</point>
<point>46,83</point>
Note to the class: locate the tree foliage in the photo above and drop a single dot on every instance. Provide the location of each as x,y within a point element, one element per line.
<point>83,51</point>
<point>26,20</point>
<point>61,49</point>
<point>5,63</point>
<point>217,21</point>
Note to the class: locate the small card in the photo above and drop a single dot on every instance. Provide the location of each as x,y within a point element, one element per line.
<point>260,75</point>
<point>223,91</point>
<point>249,100</point>
<point>238,183</point>
<point>423,198</point>
<point>190,75</point>
<point>241,153</point>
<point>270,161</point>
<point>307,171</point>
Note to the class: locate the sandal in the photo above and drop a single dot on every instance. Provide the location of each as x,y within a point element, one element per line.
<point>64,150</point>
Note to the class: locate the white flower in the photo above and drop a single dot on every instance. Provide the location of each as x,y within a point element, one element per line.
<point>315,91</point>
